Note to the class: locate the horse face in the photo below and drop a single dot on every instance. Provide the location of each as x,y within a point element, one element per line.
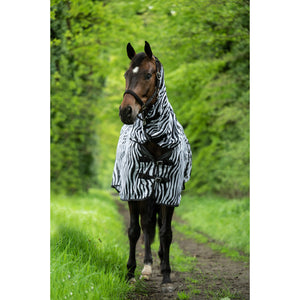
<point>140,79</point>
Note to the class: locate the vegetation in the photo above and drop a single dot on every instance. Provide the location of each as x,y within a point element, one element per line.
<point>88,248</point>
<point>219,219</point>
<point>204,47</point>
<point>76,84</point>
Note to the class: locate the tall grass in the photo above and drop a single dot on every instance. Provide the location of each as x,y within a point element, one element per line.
<point>88,248</point>
<point>224,220</point>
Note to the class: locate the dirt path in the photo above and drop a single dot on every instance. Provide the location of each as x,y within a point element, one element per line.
<point>214,276</point>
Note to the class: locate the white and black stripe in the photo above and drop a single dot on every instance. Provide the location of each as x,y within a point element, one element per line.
<point>137,175</point>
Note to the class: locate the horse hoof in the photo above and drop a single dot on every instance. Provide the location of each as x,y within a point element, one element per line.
<point>145,277</point>
<point>132,281</point>
<point>146,272</point>
<point>167,288</point>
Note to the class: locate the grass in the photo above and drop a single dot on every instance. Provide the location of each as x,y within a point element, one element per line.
<point>88,248</point>
<point>180,261</point>
<point>182,296</point>
<point>223,220</point>
<point>188,295</point>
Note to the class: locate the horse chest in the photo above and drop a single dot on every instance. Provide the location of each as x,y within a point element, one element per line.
<point>155,150</point>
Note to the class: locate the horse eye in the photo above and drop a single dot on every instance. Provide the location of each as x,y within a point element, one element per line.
<point>148,76</point>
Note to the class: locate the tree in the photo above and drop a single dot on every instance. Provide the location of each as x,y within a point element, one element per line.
<point>204,47</point>
<point>76,85</point>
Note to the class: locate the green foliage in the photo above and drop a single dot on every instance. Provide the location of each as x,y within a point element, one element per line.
<point>224,220</point>
<point>76,84</point>
<point>182,296</point>
<point>88,248</point>
<point>210,90</point>
<point>204,47</point>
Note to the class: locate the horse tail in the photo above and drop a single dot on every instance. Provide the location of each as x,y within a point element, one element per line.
<point>152,213</point>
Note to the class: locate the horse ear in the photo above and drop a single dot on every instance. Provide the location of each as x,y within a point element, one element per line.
<point>130,51</point>
<point>148,50</point>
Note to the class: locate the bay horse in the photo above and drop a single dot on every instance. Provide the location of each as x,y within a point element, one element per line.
<point>153,160</point>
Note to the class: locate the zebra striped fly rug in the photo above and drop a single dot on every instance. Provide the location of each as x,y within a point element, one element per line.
<point>137,174</point>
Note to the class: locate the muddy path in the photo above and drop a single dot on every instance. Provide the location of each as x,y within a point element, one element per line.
<point>213,276</point>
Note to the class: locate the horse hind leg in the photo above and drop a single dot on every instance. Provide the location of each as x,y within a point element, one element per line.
<point>165,234</point>
<point>134,231</point>
<point>160,251</point>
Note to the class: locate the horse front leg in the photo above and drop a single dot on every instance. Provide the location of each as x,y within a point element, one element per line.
<point>148,222</point>
<point>165,234</point>
<point>134,231</point>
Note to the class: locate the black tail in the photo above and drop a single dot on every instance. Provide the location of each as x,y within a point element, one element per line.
<point>153,225</point>
<point>152,213</point>
<point>148,212</point>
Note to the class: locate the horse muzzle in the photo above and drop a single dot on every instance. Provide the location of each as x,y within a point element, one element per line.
<point>127,115</point>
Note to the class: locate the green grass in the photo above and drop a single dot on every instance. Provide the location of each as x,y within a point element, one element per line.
<point>88,248</point>
<point>180,261</point>
<point>182,296</point>
<point>223,220</point>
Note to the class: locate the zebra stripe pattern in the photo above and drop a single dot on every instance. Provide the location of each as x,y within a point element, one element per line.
<point>137,175</point>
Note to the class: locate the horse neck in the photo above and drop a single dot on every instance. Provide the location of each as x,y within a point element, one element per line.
<point>151,146</point>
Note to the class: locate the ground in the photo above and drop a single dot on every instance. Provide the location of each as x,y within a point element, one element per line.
<point>212,276</point>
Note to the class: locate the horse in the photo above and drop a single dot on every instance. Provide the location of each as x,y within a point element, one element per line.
<point>153,161</point>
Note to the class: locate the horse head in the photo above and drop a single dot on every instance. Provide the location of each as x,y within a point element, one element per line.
<point>141,84</point>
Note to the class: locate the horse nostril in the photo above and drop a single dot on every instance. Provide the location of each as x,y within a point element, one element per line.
<point>126,115</point>
<point>128,111</point>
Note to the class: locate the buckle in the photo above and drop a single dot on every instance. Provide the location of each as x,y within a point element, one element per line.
<point>158,75</point>
<point>158,179</point>
<point>159,163</point>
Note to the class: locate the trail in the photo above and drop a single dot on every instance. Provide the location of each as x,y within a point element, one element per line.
<point>214,276</point>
